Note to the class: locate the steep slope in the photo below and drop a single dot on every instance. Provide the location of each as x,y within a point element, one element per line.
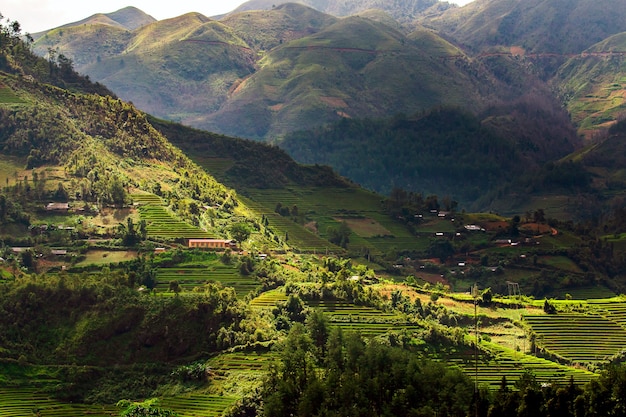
<point>95,41</point>
<point>354,68</point>
<point>103,145</point>
<point>445,152</point>
<point>176,68</point>
<point>538,26</point>
<point>593,86</point>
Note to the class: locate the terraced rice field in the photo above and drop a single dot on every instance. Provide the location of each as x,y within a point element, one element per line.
<point>366,320</point>
<point>143,199</point>
<point>198,405</point>
<point>494,362</point>
<point>298,236</point>
<point>160,223</point>
<point>615,311</point>
<point>237,374</point>
<point>269,299</point>
<point>189,278</point>
<point>246,361</point>
<point>581,338</point>
<point>21,402</point>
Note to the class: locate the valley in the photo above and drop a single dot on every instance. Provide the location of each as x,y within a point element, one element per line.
<point>451,241</point>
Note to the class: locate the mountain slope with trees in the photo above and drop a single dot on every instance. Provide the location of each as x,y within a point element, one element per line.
<point>537,26</point>
<point>444,151</point>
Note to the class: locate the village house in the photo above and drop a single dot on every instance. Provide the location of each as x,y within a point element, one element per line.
<point>58,206</point>
<point>212,243</point>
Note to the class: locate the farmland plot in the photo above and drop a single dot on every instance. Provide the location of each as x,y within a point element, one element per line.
<point>366,320</point>
<point>160,223</point>
<point>25,402</point>
<point>198,405</point>
<point>582,338</point>
<point>191,277</point>
<point>495,362</point>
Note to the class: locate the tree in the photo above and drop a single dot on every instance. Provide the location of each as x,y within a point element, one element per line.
<point>117,192</point>
<point>148,408</point>
<point>487,296</point>
<point>61,193</point>
<point>339,236</point>
<point>240,231</point>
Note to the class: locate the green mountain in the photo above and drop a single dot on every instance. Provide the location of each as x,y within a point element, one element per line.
<point>355,68</point>
<point>537,26</point>
<point>271,72</point>
<point>129,18</point>
<point>576,46</point>
<point>162,67</point>
<point>405,11</point>
<point>592,85</point>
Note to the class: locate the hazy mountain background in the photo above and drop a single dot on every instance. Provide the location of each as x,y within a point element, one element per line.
<point>538,77</point>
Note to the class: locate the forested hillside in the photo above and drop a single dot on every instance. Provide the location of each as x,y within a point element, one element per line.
<point>444,151</point>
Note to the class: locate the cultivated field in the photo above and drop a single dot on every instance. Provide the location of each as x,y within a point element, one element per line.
<point>190,277</point>
<point>161,223</point>
<point>27,402</point>
<point>580,338</point>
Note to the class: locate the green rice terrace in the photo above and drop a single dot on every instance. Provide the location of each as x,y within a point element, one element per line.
<point>24,402</point>
<point>578,338</point>
<point>494,359</point>
<point>189,278</point>
<point>161,223</point>
<point>367,321</point>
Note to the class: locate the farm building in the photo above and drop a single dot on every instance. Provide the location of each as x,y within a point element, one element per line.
<point>58,206</point>
<point>211,243</point>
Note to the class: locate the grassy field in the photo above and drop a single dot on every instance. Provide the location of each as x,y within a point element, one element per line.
<point>7,96</point>
<point>10,167</point>
<point>373,231</point>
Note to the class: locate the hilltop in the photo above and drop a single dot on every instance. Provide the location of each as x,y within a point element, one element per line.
<point>575,46</point>
<point>405,11</point>
<point>129,18</point>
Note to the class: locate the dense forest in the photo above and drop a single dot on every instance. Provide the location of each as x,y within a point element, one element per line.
<point>445,151</point>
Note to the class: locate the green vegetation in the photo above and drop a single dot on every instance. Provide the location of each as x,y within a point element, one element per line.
<point>336,300</point>
<point>445,151</point>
